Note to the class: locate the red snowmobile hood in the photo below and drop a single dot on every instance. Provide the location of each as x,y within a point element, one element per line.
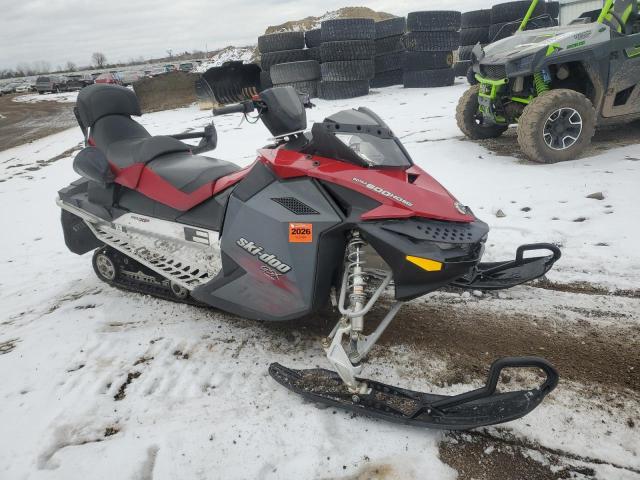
<point>402,193</point>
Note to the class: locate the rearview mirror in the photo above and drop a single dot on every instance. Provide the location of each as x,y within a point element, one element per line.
<point>93,165</point>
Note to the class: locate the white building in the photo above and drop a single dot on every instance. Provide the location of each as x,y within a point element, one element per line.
<point>572,9</point>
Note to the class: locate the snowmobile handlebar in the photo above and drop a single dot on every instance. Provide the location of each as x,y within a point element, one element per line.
<point>243,107</point>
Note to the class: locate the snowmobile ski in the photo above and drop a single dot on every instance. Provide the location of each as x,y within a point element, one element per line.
<point>476,408</point>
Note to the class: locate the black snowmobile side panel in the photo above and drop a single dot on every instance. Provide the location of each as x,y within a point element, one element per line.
<point>477,408</point>
<point>501,275</point>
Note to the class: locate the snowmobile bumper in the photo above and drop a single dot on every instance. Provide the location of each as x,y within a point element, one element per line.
<point>500,275</point>
<point>476,408</point>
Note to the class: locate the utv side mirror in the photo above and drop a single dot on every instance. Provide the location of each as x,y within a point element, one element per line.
<point>92,164</point>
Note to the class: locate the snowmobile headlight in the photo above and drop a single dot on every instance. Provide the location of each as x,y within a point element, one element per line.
<point>425,263</point>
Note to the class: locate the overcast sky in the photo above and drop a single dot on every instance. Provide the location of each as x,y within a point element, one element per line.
<point>58,31</point>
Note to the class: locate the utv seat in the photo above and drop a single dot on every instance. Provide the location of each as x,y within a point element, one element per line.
<point>625,14</point>
<point>104,114</point>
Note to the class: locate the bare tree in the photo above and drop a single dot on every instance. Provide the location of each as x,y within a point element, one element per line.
<point>170,53</point>
<point>71,67</point>
<point>99,59</point>
<point>42,66</point>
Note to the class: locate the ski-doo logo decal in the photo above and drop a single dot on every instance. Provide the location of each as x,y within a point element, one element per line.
<point>383,192</point>
<point>196,236</point>
<point>301,232</point>
<point>268,258</point>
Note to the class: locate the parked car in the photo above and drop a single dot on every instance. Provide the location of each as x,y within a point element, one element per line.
<point>10,88</point>
<point>186,67</point>
<point>77,81</point>
<point>128,78</point>
<point>169,68</point>
<point>23,88</point>
<point>50,83</point>
<point>109,78</point>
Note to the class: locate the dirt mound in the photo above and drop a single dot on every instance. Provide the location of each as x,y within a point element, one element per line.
<point>309,23</point>
<point>166,91</point>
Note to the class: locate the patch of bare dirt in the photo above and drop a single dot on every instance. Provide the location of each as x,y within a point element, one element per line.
<point>166,91</point>
<point>584,288</point>
<point>312,22</point>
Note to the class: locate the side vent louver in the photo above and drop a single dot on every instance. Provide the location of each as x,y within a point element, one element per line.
<point>296,206</point>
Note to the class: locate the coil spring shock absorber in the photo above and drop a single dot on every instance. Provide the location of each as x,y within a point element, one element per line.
<point>356,281</point>
<point>540,82</point>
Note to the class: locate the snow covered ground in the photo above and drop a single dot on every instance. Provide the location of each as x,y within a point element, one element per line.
<point>99,383</point>
<point>64,97</point>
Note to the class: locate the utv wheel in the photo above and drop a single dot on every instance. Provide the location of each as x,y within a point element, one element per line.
<point>470,120</point>
<point>178,291</point>
<point>471,75</point>
<point>556,126</point>
<point>105,266</point>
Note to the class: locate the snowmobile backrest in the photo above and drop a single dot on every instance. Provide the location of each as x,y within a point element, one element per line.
<point>99,100</point>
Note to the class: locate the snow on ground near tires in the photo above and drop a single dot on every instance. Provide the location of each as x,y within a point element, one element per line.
<point>100,383</point>
<point>65,97</point>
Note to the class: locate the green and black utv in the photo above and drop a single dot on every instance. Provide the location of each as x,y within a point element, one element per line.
<point>558,84</point>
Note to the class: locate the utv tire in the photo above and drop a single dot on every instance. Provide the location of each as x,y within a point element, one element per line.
<point>431,41</point>
<point>556,126</point>
<point>461,68</point>
<point>434,21</point>
<point>389,45</point>
<point>387,79</point>
<point>468,120</point>
<point>391,27</point>
<point>471,36</point>
<point>285,56</point>
<point>313,38</point>
<point>277,42</point>
<point>105,265</point>
<point>414,61</point>
<point>348,29</point>
<point>341,90</point>
<point>471,76</point>
<point>347,50</point>
<point>476,19</point>
<point>464,52</point>
<point>443,77</point>
<point>511,11</point>
<point>309,88</point>
<point>347,71</point>
<point>389,62</point>
<point>295,72</point>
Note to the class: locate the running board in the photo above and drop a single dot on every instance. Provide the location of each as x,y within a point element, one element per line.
<point>500,275</point>
<point>473,409</point>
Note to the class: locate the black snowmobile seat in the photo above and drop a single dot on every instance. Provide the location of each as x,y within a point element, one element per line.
<point>107,109</point>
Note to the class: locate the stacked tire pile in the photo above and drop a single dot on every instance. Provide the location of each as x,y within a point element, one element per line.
<point>506,17</point>
<point>285,62</point>
<point>474,29</point>
<point>430,41</point>
<point>389,50</point>
<point>346,52</point>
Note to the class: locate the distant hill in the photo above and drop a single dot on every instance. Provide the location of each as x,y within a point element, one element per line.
<point>310,23</point>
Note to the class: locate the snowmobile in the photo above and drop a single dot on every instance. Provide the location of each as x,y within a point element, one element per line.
<point>276,240</point>
<point>558,84</point>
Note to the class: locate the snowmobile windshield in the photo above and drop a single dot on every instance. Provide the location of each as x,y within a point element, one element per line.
<point>360,137</point>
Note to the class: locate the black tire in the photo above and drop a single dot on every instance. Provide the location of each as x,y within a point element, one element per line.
<point>347,71</point>
<point>105,265</point>
<point>348,29</point>
<point>464,52</point>
<point>510,11</point>
<point>310,87</point>
<point>415,61</point>
<point>431,41</point>
<point>313,38</point>
<point>295,72</point>
<point>314,54</point>
<point>265,80</point>
<point>434,21</point>
<point>390,27</point>
<point>387,79</point>
<point>389,45</point>
<point>340,90</point>
<point>443,77</point>
<point>268,60</point>
<point>471,76</point>
<point>534,137</point>
<point>475,19</point>
<point>460,68</point>
<point>388,62</point>
<point>471,36</point>
<point>277,42</point>
<point>469,121</point>
<point>347,50</point>
<point>499,31</point>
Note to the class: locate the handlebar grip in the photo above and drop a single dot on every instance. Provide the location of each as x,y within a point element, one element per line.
<point>237,108</point>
